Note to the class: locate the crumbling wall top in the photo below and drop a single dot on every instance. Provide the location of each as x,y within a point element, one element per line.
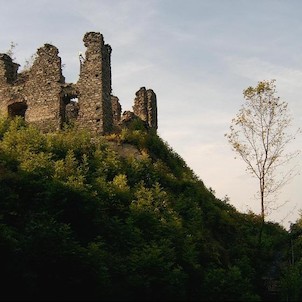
<point>93,38</point>
<point>48,50</point>
<point>94,42</point>
<point>8,68</point>
<point>5,58</point>
<point>47,65</point>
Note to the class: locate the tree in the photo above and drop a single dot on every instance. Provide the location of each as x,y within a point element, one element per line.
<point>259,134</point>
<point>11,51</point>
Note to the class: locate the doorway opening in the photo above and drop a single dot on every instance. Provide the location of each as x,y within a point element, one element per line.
<point>69,109</point>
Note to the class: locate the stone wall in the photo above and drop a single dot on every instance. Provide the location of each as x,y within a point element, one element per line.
<point>8,75</point>
<point>8,69</point>
<point>34,94</point>
<point>42,90</point>
<point>94,86</point>
<point>42,97</point>
<point>145,106</point>
<point>116,110</point>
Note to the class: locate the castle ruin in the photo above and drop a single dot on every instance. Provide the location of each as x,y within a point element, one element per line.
<point>42,97</point>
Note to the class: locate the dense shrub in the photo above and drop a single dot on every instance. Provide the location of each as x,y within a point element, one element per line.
<point>80,222</point>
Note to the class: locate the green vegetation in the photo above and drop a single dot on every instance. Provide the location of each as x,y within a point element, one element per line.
<point>78,221</point>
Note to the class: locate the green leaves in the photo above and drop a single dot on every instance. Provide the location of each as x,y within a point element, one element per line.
<point>83,219</point>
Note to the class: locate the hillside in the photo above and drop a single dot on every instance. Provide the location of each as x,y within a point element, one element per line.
<point>121,217</point>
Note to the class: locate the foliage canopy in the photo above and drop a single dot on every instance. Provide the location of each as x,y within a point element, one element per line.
<point>79,221</point>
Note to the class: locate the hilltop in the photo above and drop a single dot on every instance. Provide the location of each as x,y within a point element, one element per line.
<point>122,217</point>
<point>96,206</point>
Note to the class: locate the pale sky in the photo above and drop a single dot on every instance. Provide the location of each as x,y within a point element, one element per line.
<point>197,55</point>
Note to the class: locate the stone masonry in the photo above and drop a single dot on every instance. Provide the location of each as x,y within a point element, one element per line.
<point>42,97</point>
<point>145,107</point>
<point>116,110</point>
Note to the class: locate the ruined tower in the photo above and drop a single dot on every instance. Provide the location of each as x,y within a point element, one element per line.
<point>145,107</point>
<point>94,85</point>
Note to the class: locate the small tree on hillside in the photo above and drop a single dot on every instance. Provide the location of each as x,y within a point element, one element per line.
<point>259,135</point>
<point>11,51</point>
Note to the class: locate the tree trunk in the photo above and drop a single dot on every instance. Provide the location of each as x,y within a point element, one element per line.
<point>262,211</point>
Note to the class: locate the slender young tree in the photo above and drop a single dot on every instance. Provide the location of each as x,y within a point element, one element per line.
<point>259,135</point>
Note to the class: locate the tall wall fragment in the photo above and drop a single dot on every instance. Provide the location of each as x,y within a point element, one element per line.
<point>116,110</point>
<point>43,88</point>
<point>94,86</point>
<point>8,74</point>
<point>145,106</point>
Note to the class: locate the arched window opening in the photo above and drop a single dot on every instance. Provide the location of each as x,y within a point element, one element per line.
<point>17,109</point>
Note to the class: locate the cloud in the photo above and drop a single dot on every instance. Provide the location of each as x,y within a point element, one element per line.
<point>255,69</point>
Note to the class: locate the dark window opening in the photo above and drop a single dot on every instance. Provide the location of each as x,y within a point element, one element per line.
<point>17,109</point>
<point>69,109</point>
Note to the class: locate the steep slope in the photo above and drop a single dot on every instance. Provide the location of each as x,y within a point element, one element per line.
<point>119,218</point>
